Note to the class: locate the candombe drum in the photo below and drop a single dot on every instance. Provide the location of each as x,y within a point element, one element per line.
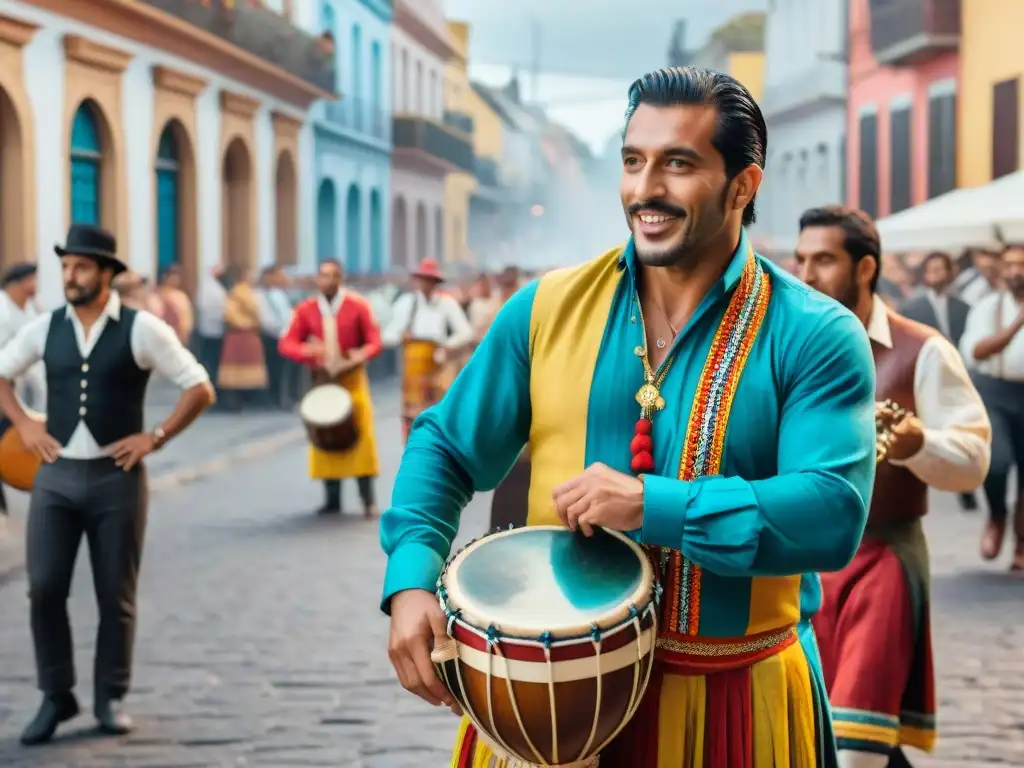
<point>327,413</point>
<point>551,640</point>
<point>18,465</point>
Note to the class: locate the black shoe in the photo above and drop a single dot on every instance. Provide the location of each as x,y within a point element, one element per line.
<point>329,509</point>
<point>112,718</point>
<point>968,502</point>
<point>54,710</point>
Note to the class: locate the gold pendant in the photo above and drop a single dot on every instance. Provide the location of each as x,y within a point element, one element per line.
<point>649,398</point>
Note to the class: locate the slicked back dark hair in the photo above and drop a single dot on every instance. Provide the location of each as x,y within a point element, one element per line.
<point>741,137</point>
<point>860,236</point>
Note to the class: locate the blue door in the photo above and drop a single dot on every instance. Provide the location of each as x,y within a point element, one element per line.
<point>168,216</point>
<point>353,230</point>
<point>376,234</point>
<point>326,222</point>
<point>86,161</point>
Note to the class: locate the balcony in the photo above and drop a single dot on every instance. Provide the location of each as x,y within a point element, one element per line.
<point>487,172</point>
<point>459,120</point>
<point>911,32</point>
<point>258,31</point>
<point>818,86</point>
<point>440,147</point>
<point>359,116</point>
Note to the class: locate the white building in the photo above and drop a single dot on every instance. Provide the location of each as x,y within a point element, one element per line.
<point>804,105</point>
<point>426,149</point>
<point>189,146</point>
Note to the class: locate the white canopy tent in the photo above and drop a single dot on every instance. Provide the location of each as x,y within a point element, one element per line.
<point>976,217</point>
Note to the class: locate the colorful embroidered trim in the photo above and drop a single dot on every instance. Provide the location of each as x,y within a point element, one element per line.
<point>705,433</point>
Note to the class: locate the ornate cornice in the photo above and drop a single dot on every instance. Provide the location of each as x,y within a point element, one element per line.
<point>286,125</point>
<point>237,104</point>
<point>15,31</point>
<point>178,82</point>
<point>84,51</point>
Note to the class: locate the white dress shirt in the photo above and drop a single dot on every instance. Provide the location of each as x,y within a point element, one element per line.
<point>155,347</point>
<point>976,288</point>
<point>994,313</point>
<point>957,433</point>
<point>275,310</point>
<point>210,307</point>
<point>12,319</point>
<point>439,319</point>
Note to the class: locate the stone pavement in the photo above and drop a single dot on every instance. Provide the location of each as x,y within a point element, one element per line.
<point>261,644</point>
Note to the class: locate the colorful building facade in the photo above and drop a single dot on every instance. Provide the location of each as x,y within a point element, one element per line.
<point>804,106</point>
<point>124,114</point>
<point>460,185</point>
<point>426,146</point>
<point>352,163</point>
<point>736,48</point>
<point>989,142</point>
<point>901,110</point>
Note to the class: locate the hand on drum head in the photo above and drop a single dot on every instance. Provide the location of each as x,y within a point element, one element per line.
<point>36,439</point>
<point>600,496</point>
<point>418,623</point>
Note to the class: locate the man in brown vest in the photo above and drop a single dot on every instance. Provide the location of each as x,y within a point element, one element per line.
<point>873,627</point>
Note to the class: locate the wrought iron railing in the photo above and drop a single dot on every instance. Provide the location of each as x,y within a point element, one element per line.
<point>896,24</point>
<point>360,115</point>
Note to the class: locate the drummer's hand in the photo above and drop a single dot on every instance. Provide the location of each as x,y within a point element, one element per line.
<point>35,437</point>
<point>129,451</point>
<point>907,435</point>
<point>601,496</point>
<point>417,622</point>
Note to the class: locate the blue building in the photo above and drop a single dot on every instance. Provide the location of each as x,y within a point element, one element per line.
<point>352,136</point>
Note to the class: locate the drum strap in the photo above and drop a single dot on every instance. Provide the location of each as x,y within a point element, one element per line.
<point>333,360</point>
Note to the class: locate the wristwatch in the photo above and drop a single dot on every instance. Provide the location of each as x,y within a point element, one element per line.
<point>159,438</point>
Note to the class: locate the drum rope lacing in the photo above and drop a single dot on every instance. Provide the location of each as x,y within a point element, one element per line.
<point>596,636</point>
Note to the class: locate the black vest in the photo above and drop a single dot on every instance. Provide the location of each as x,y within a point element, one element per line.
<point>107,390</point>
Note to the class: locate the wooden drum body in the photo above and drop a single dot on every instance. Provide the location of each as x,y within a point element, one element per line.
<point>329,418</point>
<point>552,639</point>
<point>18,465</point>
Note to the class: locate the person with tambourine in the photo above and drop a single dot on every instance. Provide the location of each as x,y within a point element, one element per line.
<point>335,334</point>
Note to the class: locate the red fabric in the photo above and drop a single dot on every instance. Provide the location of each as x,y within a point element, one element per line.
<point>729,742</point>
<point>517,651</point>
<point>357,329</point>
<point>865,631</point>
<point>468,747</point>
<point>242,348</point>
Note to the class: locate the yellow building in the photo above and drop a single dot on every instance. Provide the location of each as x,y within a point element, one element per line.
<point>736,48</point>
<point>462,99</point>
<point>989,120</point>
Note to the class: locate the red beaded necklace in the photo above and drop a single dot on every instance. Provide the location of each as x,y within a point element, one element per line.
<point>649,398</point>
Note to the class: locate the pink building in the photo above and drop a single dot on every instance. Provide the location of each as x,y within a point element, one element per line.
<point>901,110</point>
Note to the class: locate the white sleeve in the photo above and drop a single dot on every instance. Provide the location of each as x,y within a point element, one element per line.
<point>26,348</point>
<point>957,432</point>
<point>156,347</point>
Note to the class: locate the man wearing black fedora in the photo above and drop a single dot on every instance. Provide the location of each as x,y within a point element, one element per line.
<point>98,356</point>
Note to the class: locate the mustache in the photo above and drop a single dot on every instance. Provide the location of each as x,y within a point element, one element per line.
<point>656,205</point>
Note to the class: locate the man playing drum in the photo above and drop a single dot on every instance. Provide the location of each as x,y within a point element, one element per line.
<point>429,325</point>
<point>874,628</point>
<point>335,334</point>
<point>689,392</point>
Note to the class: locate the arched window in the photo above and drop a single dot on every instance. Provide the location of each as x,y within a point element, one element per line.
<point>327,18</point>
<point>86,162</point>
<point>168,186</point>
<point>357,76</point>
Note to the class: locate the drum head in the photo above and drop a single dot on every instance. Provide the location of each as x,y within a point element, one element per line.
<point>325,405</point>
<point>533,580</point>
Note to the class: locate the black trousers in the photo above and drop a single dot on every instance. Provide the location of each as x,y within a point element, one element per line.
<point>107,506</point>
<point>367,493</point>
<point>275,371</point>
<point>1004,401</point>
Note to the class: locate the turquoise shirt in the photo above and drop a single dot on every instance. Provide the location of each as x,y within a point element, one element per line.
<point>559,362</point>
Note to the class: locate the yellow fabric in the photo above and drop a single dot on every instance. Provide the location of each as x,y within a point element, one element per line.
<point>782,712</point>
<point>918,738</point>
<point>241,309</point>
<point>558,443</point>
<point>362,459</point>
<point>774,603</point>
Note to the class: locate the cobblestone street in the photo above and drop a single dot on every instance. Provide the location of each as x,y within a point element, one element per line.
<point>261,644</point>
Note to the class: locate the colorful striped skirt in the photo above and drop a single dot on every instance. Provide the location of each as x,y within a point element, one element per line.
<point>769,714</point>
<point>875,635</point>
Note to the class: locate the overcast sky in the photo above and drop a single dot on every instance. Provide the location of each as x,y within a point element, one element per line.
<point>590,50</point>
